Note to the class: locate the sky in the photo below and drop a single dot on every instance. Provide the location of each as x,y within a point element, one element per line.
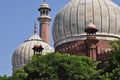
<point>17,18</point>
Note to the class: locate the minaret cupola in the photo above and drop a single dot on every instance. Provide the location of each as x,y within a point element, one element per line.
<point>44,20</point>
<point>44,9</point>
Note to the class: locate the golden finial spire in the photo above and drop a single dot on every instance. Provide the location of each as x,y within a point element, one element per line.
<point>44,0</point>
<point>35,28</point>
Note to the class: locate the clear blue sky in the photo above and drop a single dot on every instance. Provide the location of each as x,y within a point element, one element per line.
<point>17,19</point>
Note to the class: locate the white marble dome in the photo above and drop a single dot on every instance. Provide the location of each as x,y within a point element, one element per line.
<point>44,5</point>
<point>24,52</point>
<point>73,18</point>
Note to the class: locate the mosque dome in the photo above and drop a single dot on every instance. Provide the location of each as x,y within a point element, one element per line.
<point>72,20</point>
<point>25,51</point>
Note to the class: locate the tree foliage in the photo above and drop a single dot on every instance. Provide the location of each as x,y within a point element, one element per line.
<point>57,66</point>
<point>112,65</point>
<point>19,74</point>
<point>4,77</point>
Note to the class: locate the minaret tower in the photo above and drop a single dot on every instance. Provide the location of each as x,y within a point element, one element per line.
<point>44,20</point>
<point>91,41</point>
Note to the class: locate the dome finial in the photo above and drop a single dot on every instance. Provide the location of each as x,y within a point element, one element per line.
<point>35,28</point>
<point>44,0</point>
<point>90,20</point>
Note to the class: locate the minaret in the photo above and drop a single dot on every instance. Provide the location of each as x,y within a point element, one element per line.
<point>91,41</point>
<point>44,20</point>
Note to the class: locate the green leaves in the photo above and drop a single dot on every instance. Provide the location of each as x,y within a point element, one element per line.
<point>56,66</point>
<point>111,69</point>
<point>20,74</point>
<point>115,44</point>
<point>4,77</point>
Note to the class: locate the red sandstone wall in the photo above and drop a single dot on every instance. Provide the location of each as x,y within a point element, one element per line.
<point>78,48</point>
